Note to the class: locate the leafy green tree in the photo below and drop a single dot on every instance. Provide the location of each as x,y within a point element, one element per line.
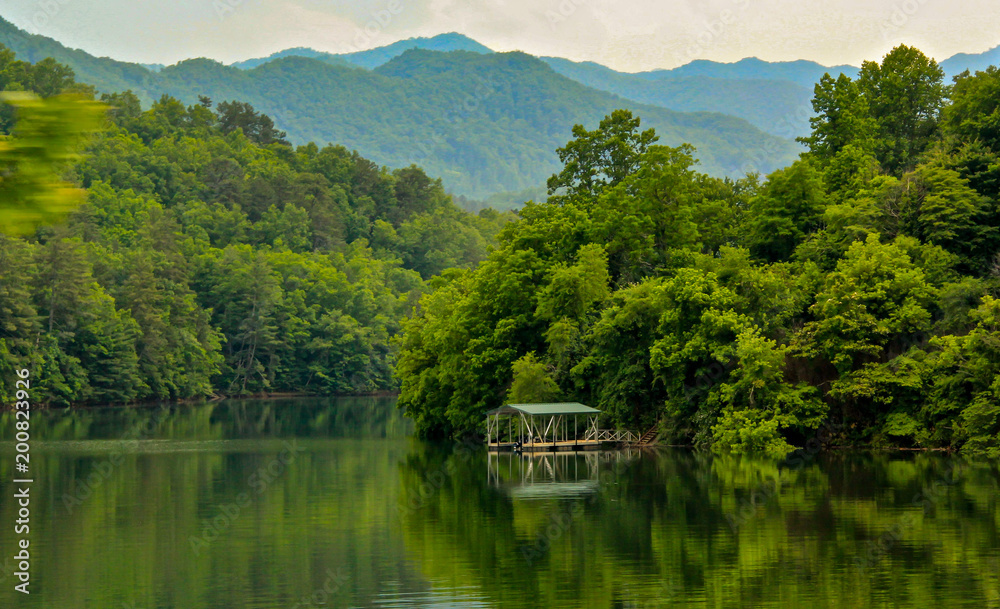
<point>843,118</point>
<point>45,141</point>
<point>872,307</point>
<point>974,112</point>
<point>532,382</point>
<point>964,385</point>
<point>573,289</point>
<point>597,159</point>
<point>937,205</point>
<point>245,293</point>
<point>284,228</point>
<point>789,207</point>
<point>259,128</point>
<point>904,95</point>
<point>757,406</point>
<point>19,320</point>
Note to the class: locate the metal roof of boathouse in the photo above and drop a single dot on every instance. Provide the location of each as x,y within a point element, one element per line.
<point>548,409</point>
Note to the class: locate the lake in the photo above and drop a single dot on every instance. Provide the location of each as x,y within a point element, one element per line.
<point>314,502</point>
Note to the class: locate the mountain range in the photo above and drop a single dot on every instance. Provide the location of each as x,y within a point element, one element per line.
<point>484,122</point>
<point>373,58</point>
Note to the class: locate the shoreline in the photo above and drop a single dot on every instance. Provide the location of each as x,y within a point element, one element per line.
<point>209,398</point>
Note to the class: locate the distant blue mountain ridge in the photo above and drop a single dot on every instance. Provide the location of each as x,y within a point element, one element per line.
<point>773,96</point>
<point>373,58</point>
<point>487,123</point>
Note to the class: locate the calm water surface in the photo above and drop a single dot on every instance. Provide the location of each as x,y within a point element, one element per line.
<point>331,503</point>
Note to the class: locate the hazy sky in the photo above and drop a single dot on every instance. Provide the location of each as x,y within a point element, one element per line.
<point>627,35</point>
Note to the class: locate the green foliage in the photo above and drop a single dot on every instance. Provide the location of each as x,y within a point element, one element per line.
<point>757,405</point>
<point>740,314</point>
<point>904,95</point>
<point>856,286</point>
<point>964,382</point>
<point>532,382</point>
<point>891,111</point>
<point>842,118</point>
<point>259,128</point>
<point>597,159</point>
<point>875,295</point>
<point>789,207</point>
<point>206,256</point>
<point>45,140</point>
<point>484,123</point>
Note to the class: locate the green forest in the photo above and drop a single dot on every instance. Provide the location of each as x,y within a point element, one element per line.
<point>184,251</point>
<point>484,124</point>
<point>854,290</point>
<point>181,251</point>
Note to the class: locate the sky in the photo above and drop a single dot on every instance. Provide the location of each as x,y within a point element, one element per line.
<point>627,35</point>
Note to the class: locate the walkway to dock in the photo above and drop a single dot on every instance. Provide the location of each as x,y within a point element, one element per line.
<point>550,427</point>
<point>548,446</point>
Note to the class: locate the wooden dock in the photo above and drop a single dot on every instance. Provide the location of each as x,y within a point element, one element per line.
<point>551,427</point>
<point>561,445</point>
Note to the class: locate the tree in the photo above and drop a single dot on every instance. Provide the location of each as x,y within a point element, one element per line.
<point>245,296</point>
<point>974,111</point>
<point>873,307</point>
<point>532,382</point>
<point>259,128</point>
<point>904,95</point>
<point>598,159</point>
<point>756,404</point>
<point>19,321</point>
<point>44,142</point>
<point>936,205</point>
<point>789,207</point>
<point>842,118</point>
<point>890,111</point>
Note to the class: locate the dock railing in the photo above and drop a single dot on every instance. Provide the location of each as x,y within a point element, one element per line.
<point>617,435</point>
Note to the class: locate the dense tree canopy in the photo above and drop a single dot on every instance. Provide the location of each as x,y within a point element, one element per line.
<point>203,254</point>
<point>856,286</point>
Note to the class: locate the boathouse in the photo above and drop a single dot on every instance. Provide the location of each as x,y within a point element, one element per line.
<point>534,427</point>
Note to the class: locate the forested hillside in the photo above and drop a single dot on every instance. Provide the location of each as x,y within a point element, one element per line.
<point>483,123</point>
<point>208,255</point>
<point>856,287</point>
<point>802,72</point>
<point>779,107</point>
<point>373,58</point>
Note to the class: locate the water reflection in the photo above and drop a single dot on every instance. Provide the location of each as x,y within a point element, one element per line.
<point>538,475</point>
<point>678,528</point>
<point>331,503</point>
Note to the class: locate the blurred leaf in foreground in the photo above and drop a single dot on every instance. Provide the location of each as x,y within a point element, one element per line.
<point>46,139</point>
